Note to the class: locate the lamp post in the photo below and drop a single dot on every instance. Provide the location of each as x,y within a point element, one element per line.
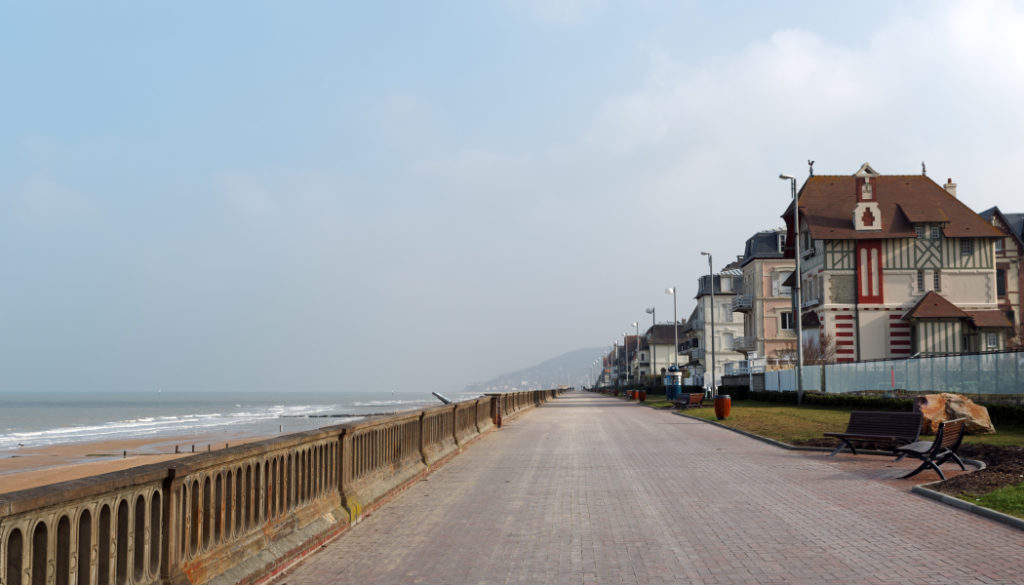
<point>625,352</point>
<point>711,277</point>
<point>675,323</point>
<point>636,325</point>
<point>797,309</point>
<point>650,346</point>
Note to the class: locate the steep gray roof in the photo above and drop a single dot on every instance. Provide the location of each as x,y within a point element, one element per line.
<point>763,245</point>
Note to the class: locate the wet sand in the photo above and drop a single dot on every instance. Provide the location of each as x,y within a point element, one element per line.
<point>29,467</point>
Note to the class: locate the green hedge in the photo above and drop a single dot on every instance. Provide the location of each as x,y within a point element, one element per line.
<point>735,392</point>
<point>1001,414</point>
<point>851,401</point>
<point>1006,414</point>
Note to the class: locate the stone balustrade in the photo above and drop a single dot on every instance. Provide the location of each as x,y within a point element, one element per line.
<point>237,515</point>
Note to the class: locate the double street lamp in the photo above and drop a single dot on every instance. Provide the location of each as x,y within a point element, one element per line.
<point>636,325</point>
<point>711,318</point>
<point>675,323</point>
<point>650,344</point>
<point>797,309</point>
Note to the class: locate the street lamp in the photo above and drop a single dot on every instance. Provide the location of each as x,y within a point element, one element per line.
<point>711,277</point>
<point>797,309</point>
<point>650,346</point>
<point>625,353</point>
<point>675,323</point>
<point>636,325</point>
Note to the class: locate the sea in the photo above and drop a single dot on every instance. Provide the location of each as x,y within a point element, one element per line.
<point>39,420</point>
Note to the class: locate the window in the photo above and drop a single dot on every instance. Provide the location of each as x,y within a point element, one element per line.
<point>966,247</point>
<point>992,340</point>
<point>936,281</point>
<point>786,321</point>
<point>920,281</point>
<point>1000,244</point>
<point>936,232</point>
<point>727,341</point>
<point>727,313</point>
<point>777,289</point>
<point>919,230</point>
<point>1000,282</point>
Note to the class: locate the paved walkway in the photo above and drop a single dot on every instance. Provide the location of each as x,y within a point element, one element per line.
<point>593,490</point>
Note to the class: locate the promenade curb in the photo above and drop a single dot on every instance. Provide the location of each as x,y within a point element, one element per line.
<point>921,490</point>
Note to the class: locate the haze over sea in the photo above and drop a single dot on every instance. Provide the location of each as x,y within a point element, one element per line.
<point>47,419</point>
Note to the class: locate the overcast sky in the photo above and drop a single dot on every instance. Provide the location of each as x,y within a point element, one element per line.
<point>349,196</point>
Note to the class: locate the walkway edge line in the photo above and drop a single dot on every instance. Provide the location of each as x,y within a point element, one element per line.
<point>1012,521</point>
<point>920,490</point>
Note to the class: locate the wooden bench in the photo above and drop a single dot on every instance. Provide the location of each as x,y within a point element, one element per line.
<point>895,428</point>
<point>942,449</point>
<point>693,400</point>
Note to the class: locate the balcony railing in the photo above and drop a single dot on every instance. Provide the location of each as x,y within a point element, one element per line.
<point>748,343</point>
<point>742,303</point>
<point>811,302</point>
<point>744,367</point>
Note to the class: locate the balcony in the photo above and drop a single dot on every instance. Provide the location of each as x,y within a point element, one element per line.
<point>748,343</point>
<point>742,304</point>
<point>696,353</point>
<point>744,367</point>
<point>812,302</point>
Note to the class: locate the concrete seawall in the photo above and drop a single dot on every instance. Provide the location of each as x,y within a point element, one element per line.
<point>236,515</point>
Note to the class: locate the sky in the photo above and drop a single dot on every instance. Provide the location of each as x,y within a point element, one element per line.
<point>348,196</point>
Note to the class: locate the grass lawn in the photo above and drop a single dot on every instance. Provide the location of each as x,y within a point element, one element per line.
<point>1008,500</point>
<point>789,423</point>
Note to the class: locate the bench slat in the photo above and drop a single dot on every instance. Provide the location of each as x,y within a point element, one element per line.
<point>883,427</point>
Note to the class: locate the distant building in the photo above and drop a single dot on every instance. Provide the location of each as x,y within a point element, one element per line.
<point>1009,268</point>
<point>662,349</point>
<point>765,301</point>
<point>895,265</point>
<point>718,319</point>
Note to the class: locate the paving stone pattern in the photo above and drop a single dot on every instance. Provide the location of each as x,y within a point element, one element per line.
<point>591,490</point>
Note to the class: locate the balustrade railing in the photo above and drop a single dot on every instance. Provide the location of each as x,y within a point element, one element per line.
<point>216,514</point>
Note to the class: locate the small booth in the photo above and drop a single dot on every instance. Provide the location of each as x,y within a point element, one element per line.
<point>673,383</point>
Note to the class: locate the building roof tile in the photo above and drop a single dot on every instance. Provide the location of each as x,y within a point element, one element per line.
<point>827,204</point>
<point>990,319</point>
<point>934,306</point>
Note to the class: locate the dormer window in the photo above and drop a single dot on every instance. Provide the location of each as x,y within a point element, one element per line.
<point>919,230</point>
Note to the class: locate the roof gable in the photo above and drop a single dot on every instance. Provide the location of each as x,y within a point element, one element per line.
<point>827,204</point>
<point>934,306</point>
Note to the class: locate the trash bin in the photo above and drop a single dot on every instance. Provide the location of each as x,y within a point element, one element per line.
<point>673,383</point>
<point>723,404</point>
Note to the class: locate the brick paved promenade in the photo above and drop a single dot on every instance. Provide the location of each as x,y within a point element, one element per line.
<point>593,490</point>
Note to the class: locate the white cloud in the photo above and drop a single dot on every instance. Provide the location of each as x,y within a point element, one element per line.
<point>560,12</point>
<point>46,204</point>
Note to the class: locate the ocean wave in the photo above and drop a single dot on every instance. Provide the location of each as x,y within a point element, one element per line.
<point>169,425</point>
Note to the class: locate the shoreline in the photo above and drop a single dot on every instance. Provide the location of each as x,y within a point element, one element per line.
<point>30,467</point>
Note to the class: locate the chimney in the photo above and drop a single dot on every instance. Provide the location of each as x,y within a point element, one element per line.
<point>950,187</point>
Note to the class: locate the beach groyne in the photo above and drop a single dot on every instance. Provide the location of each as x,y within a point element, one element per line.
<point>238,515</point>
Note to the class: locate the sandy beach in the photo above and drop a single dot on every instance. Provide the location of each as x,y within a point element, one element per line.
<point>29,467</point>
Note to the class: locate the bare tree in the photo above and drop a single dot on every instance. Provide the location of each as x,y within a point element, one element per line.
<point>822,352</point>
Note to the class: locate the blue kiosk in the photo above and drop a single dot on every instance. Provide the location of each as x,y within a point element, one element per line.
<point>673,383</point>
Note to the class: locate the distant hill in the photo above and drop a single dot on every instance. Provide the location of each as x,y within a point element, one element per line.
<point>565,370</point>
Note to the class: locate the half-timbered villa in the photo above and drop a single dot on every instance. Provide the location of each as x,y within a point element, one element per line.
<point>895,265</point>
